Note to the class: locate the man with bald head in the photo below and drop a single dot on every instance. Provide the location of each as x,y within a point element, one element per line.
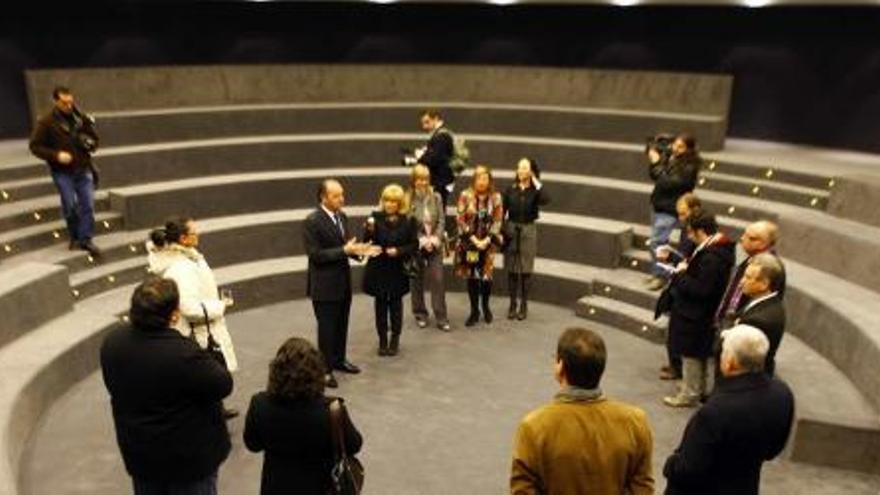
<point>329,244</point>
<point>759,237</point>
<point>746,422</point>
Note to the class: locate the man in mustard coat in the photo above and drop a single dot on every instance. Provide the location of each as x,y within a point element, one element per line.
<point>582,442</point>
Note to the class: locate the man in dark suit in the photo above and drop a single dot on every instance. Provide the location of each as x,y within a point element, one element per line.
<point>437,153</point>
<point>329,279</point>
<point>744,423</point>
<point>759,237</point>
<point>165,394</point>
<point>765,309</point>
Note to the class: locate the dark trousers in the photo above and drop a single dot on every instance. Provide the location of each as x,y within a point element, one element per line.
<point>332,319</point>
<point>388,309</point>
<point>205,486</point>
<point>77,203</point>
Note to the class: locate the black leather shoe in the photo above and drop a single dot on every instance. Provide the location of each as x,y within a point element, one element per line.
<point>472,320</point>
<point>347,367</point>
<point>330,381</point>
<point>73,245</point>
<point>91,248</point>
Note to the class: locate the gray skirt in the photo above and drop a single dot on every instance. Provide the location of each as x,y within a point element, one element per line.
<point>520,257</point>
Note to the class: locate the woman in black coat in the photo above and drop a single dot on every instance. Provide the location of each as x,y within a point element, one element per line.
<point>385,278</point>
<point>291,422</point>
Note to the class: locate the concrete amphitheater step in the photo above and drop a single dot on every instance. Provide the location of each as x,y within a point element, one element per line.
<point>159,125</point>
<point>618,314</point>
<point>626,286</point>
<point>12,191</point>
<point>636,259</point>
<point>30,295</point>
<point>38,210</point>
<point>765,170</point>
<point>600,241</point>
<point>773,190</point>
<point>49,233</point>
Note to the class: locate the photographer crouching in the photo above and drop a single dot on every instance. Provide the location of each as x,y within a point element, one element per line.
<point>65,139</point>
<point>674,165</point>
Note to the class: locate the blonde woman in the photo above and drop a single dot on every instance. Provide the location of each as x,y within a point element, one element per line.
<point>394,232</point>
<point>426,208</point>
<point>480,214</point>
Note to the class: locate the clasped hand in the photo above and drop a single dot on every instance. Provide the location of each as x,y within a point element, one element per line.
<point>355,248</point>
<point>480,244</point>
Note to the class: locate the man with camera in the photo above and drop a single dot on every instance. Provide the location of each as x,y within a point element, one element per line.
<point>674,166</point>
<point>65,139</point>
<point>436,154</point>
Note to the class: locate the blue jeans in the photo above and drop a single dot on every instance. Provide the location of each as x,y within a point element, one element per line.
<point>662,225</point>
<point>205,486</point>
<point>77,203</point>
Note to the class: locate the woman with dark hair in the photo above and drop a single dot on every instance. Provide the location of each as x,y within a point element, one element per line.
<point>392,230</point>
<point>291,423</point>
<point>522,203</point>
<point>480,214</point>
<point>173,253</point>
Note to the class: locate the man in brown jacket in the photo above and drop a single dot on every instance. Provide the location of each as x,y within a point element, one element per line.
<point>65,139</point>
<point>582,442</point>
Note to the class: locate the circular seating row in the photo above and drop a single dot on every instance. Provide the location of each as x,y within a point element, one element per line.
<point>252,187</point>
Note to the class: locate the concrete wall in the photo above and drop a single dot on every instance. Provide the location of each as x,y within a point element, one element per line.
<point>171,87</point>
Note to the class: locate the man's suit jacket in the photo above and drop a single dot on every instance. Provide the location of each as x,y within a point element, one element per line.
<point>734,283</point>
<point>329,276</point>
<point>769,317</point>
<point>746,421</point>
<point>438,153</point>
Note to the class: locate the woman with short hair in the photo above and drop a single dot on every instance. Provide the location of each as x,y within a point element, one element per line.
<point>394,232</point>
<point>291,422</point>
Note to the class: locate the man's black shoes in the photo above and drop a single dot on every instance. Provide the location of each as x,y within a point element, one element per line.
<point>347,367</point>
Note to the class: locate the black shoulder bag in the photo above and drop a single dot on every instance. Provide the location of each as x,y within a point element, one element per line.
<point>347,475</point>
<point>213,347</point>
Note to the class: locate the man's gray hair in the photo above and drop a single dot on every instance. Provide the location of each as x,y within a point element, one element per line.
<point>769,229</point>
<point>770,268</point>
<point>747,345</point>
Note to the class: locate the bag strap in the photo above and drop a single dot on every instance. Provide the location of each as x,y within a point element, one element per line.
<point>192,334</point>
<point>336,429</point>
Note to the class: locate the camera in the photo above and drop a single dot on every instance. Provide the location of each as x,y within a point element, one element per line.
<point>662,144</point>
<point>86,143</point>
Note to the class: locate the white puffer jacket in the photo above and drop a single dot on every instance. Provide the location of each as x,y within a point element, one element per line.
<point>198,288</point>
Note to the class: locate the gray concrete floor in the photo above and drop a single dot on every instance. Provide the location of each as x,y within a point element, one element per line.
<point>438,419</point>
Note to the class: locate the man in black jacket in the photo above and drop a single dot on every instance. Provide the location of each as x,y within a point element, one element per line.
<point>65,139</point>
<point>672,178</point>
<point>696,290</point>
<point>329,243</point>
<point>758,237</point>
<point>166,396</point>
<point>745,422</point>
<point>765,309</point>
<point>438,152</point>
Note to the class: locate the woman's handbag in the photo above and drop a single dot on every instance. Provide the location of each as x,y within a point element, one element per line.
<point>347,475</point>
<point>213,348</point>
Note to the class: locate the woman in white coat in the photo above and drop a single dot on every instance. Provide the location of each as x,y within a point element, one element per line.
<point>173,254</point>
